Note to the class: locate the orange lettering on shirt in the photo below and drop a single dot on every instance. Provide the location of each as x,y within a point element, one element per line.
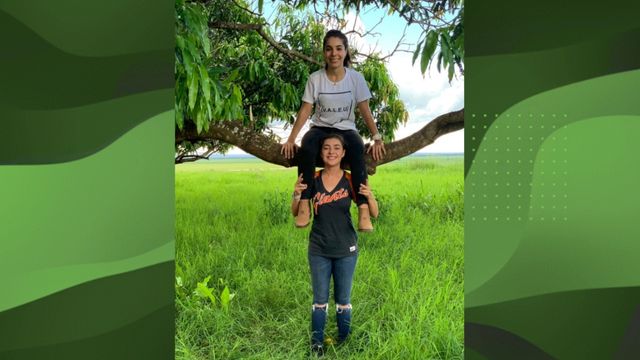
<point>323,198</point>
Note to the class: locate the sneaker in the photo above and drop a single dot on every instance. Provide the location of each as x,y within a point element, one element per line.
<point>317,349</point>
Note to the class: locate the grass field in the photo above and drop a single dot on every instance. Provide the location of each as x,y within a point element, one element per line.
<point>233,227</point>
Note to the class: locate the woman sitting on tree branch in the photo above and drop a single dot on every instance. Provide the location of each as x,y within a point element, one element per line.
<point>334,90</point>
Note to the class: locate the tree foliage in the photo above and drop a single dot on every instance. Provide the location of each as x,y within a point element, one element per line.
<point>441,22</point>
<point>233,65</point>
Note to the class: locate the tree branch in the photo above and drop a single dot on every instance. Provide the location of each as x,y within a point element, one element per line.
<point>259,28</point>
<point>247,10</point>
<point>267,146</point>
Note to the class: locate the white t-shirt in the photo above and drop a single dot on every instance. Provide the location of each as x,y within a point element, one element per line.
<point>335,103</point>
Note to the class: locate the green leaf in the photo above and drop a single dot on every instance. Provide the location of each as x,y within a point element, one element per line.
<point>445,49</point>
<point>225,297</point>
<point>206,46</point>
<point>179,118</point>
<point>416,52</point>
<point>233,75</point>
<point>193,90</point>
<point>205,85</point>
<point>193,50</point>
<point>203,117</point>
<point>460,45</point>
<point>429,47</point>
<point>187,62</point>
<point>260,5</point>
<point>237,96</point>
<point>252,72</point>
<point>180,42</point>
<point>199,122</point>
<point>203,290</point>
<point>451,70</point>
<point>216,93</point>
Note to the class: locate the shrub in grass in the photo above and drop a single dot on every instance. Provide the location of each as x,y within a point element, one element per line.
<point>277,207</point>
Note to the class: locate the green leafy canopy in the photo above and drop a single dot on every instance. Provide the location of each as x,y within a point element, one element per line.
<point>225,73</point>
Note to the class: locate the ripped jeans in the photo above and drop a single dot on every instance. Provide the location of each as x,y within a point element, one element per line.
<point>322,269</point>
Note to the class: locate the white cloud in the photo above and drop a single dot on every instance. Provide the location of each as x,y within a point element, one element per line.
<point>425,96</point>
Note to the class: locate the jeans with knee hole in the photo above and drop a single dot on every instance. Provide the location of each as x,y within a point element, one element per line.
<point>322,269</point>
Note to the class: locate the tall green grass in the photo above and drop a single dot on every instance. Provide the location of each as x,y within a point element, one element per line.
<point>233,226</point>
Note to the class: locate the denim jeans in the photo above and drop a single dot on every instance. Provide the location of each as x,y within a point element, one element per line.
<point>310,157</point>
<point>322,269</point>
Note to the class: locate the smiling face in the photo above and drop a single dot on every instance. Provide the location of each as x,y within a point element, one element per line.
<point>332,152</point>
<point>334,52</point>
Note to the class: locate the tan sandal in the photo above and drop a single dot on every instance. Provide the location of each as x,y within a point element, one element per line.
<point>364,219</point>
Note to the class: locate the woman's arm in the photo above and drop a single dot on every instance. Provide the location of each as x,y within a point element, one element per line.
<point>378,146</point>
<point>289,147</point>
<point>297,192</point>
<point>371,200</point>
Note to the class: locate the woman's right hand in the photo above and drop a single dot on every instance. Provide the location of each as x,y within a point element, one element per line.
<point>299,186</point>
<point>289,149</point>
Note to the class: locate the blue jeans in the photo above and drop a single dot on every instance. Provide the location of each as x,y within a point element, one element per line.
<point>342,269</point>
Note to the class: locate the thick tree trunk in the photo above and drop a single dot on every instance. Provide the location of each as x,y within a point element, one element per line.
<point>267,147</point>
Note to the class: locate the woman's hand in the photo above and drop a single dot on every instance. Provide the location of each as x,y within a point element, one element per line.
<point>289,149</point>
<point>377,150</point>
<point>299,187</point>
<point>365,191</point>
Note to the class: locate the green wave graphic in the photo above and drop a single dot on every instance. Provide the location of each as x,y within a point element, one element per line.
<point>498,216</point>
<point>55,136</point>
<point>55,279</point>
<point>541,25</point>
<point>529,73</point>
<point>514,78</point>
<point>573,230</point>
<point>93,312</point>
<point>583,324</point>
<point>37,75</point>
<point>104,28</point>
<point>114,205</point>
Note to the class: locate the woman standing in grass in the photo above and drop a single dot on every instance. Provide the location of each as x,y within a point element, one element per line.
<point>335,90</point>
<point>333,249</point>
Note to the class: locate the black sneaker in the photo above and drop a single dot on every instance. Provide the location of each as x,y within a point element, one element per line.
<point>317,349</point>
<point>341,341</point>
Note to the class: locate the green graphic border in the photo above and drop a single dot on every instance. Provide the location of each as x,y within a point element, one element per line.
<point>86,104</point>
<point>552,196</point>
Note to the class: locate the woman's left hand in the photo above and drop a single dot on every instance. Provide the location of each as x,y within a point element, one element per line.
<point>377,150</point>
<point>365,191</point>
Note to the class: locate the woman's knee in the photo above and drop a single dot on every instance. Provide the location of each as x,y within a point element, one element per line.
<point>322,307</point>
<point>341,308</point>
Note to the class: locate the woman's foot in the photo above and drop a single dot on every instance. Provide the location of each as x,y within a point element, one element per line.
<point>364,219</point>
<point>317,350</point>
<point>304,214</point>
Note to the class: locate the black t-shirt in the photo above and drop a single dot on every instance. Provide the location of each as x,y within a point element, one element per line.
<point>332,234</point>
